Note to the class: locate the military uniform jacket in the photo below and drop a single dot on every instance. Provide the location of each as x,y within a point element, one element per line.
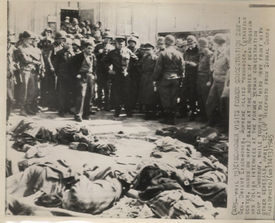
<point>204,62</point>
<point>46,45</point>
<point>191,55</point>
<point>169,65</point>
<point>101,51</point>
<point>76,63</point>
<point>120,60</point>
<point>62,59</point>
<point>147,94</point>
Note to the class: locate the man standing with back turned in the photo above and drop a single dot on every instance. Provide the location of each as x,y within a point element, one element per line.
<point>168,71</point>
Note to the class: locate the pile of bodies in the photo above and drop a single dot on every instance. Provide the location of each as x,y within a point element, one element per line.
<point>175,181</point>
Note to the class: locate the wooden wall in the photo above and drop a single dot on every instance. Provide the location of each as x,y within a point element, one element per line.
<point>147,18</point>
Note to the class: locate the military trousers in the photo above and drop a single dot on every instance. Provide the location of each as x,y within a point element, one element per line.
<point>214,100</point>
<point>28,89</point>
<point>63,86</point>
<point>84,94</point>
<point>121,93</point>
<point>168,91</point>
<point>49,89</point>
<point>103,90</point>
<point>202,93</point>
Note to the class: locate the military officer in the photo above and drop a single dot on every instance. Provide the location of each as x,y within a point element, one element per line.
<point>60,39</point>
<point>27,64</point>
<point>168,71</point>
<point>119,58</point>
<point>191,58</point>
<point>63,58</point>
<point>204,78</point>
<point>220,80</point>
<point>46,46</point>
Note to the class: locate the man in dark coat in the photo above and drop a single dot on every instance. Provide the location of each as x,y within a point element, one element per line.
<point>191,58</point>
<point>168,71</point>
<point>83,67</point>
<point>60,39</point>
<point>148,95</point>
<point>63,58</point>
<point>103,82</point>
<point>119,58</point>
<point>47,83</point>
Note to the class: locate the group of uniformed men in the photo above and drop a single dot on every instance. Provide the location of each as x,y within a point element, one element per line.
<point>84,66</point>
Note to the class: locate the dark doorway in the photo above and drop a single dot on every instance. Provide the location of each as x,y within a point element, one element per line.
<point>69,12</point>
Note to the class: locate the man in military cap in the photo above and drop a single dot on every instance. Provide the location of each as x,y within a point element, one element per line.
<point>103,80</point>
<point>191,58</point>
<point>82,68</point>
<point>38,73</point>
<point>220,81</point>
<point>119,58</point>
<point>168,71</point>
<point>12,70</point>
<point>46,46</point>
<point>204,78</point>
<point>64,82</point>
<point>60,39</point>
<point>28,65</point>
<point>134,70</point>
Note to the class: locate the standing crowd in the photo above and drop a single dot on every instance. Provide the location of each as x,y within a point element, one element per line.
<point>83,67</point>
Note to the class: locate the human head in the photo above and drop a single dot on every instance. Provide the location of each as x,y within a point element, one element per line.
<point>219,39</point>
<point>99,24</point>
<point>132,42</point>
<point>170,40</point>
<point>27,38</point>
<point>202,43</point>
<point>160,43</point>
<point>87,23</point>
<point>75,21</point>
<point>48,32</point>
<point>120,42</point>
<point>88,46</point>
<point>76,44</point>
<point>36,40</point>
<point>107,37</point>
<point>60,37</point>
<point>68,43</point>
<point>11,37</point>
<point>191,41</point>
<point>148,48</point>
<point>210,42</point>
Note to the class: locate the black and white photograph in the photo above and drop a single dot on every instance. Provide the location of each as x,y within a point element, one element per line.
<point>117,109</point>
